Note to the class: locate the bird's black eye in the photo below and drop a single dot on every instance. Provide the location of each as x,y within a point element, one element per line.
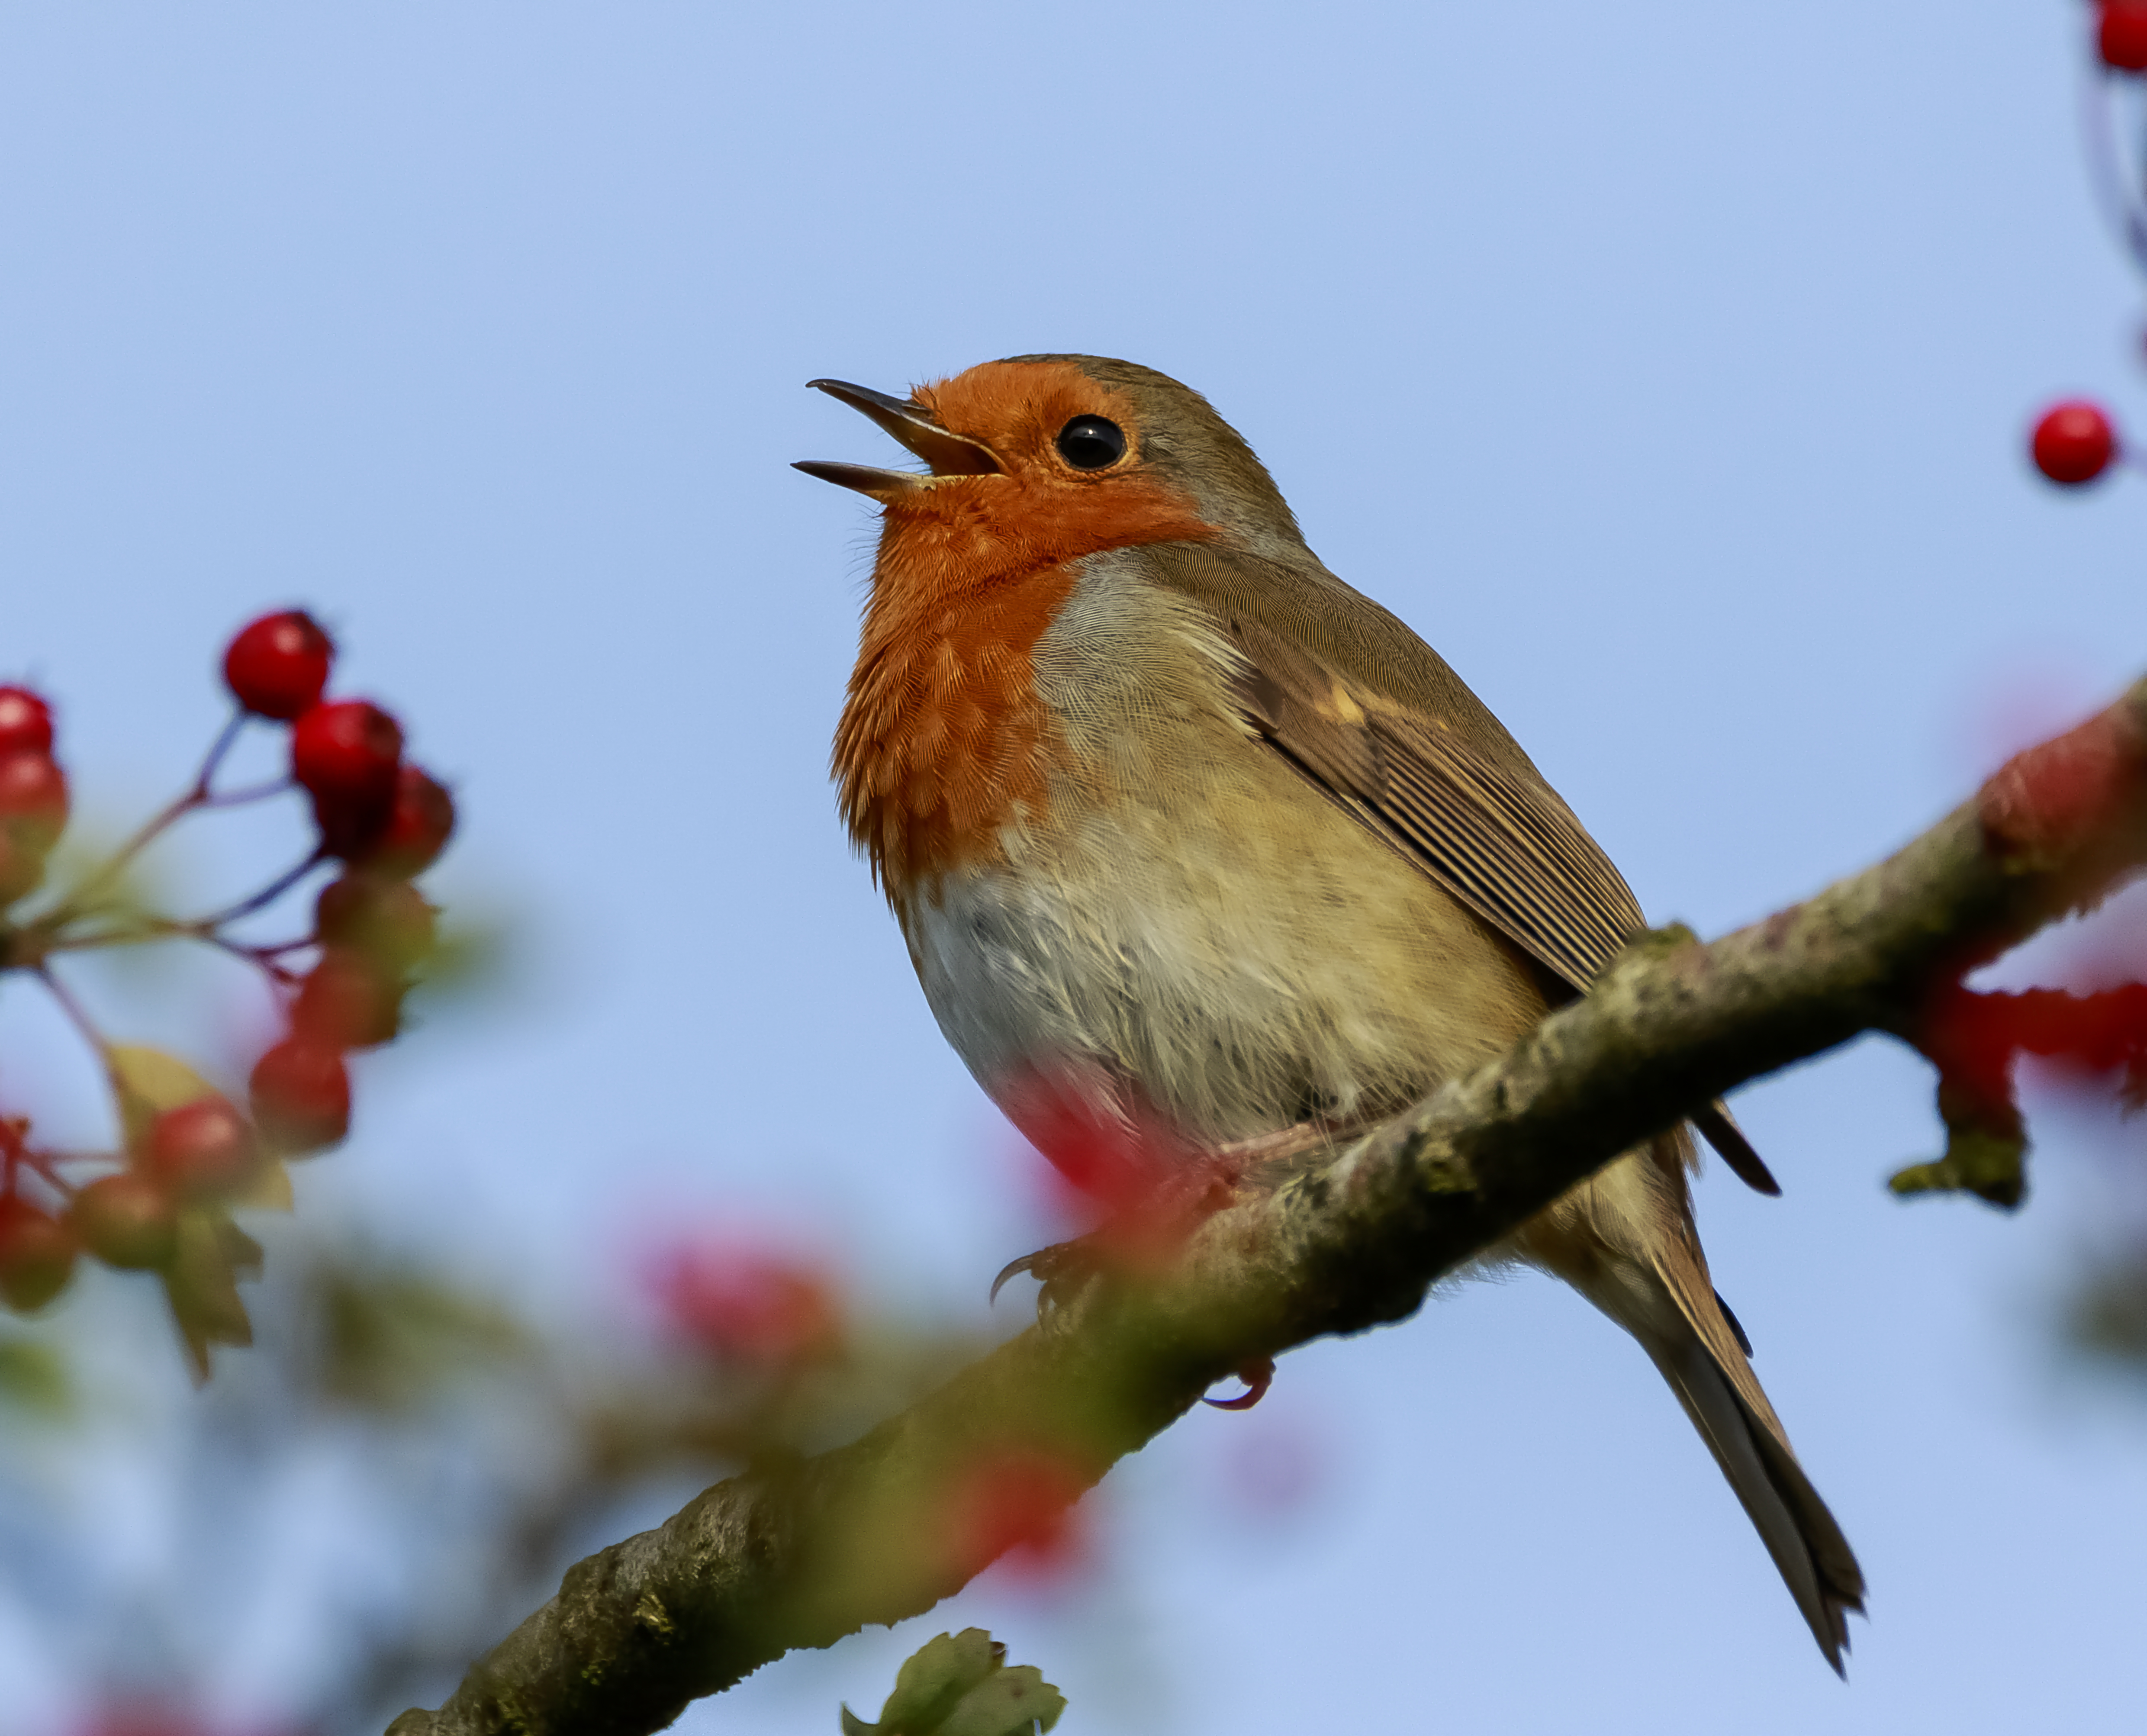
<point>1088,442</point>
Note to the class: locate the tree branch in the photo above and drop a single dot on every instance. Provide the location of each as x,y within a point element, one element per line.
<point>801,1553</point>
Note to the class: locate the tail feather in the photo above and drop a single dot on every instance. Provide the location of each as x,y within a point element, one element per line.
<point>1813,1556</point>
<point>1625,1240</point>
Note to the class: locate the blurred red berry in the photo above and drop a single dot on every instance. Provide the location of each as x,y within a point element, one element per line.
<point>37,1255</point>
<point>26,722</point>
<point>203,1148</point>
<point>347,751</point>
<point>33,797</point>
<point>1019,1504</point>
<point>2073,442</point>
<point>388,921</point>
<point>22,867</point>
<point>301,1096</point>
<point>749,1305</point>
<point>2122,35</point>
<point>347,1001</point>
<point>125,1220</point>
<point>278,666</point>
<point>416,830</point>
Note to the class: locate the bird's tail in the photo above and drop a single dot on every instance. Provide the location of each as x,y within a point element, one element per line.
<point>1747,1441</point>
<point>1624,1238</point>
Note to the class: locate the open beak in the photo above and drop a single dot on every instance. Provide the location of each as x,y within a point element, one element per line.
<point>948,454</point>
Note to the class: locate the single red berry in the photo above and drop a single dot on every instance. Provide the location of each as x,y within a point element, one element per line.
<point>37,1255</point>
<point>125,1220</point>
<point>22,867</point>
<point>33,797</point>
<point>348,1002</point>
<point>347,750</point>
<point>2073,442</point>
<point>301,1096</point>
<point>2122,35</point>
<point>26,722</point>
<point>417,828</point>
<point>201,1148</point>
<point>388,921</point>
<point>277,666</point>
<point>750,1305</point>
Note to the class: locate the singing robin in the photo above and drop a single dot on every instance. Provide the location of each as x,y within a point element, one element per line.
<point>1183,832</point>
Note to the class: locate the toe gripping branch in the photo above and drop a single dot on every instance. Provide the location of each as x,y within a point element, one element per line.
<point>1258,1375</point>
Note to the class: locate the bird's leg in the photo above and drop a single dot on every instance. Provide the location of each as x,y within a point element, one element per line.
<point>1144,1234</point>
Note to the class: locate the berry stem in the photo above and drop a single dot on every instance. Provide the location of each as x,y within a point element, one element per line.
<point>197,796</point>
<point>2109,168</point>
<point>263,958</point>
<point>84,1025</point>
<point>247,792</point>
<point>203,928</point>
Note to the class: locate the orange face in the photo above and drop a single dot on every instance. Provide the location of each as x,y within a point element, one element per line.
<point>1033,466</point>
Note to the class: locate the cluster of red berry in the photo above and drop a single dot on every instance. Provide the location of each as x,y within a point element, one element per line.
<point>383,820</point>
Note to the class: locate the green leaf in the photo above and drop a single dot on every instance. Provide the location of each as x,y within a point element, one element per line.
<point>267,1190</point>
<point>959,1684</point>
<point>150,1082</point>
<point>1012,1703</point>
<point>201,1284</point>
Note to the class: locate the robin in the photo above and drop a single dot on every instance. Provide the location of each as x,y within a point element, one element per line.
<point>1183,833</point>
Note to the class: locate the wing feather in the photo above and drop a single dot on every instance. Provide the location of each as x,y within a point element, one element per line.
<point>1459,801</point>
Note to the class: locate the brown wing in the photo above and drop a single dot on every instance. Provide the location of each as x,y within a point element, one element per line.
<point>1505,845</point>
<point>1412,753</point>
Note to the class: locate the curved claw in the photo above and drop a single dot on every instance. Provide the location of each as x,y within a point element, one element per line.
<point>1013,1269</point>
<point>1258,1375</point>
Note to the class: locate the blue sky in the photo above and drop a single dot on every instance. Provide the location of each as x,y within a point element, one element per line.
<point>1665,365</point>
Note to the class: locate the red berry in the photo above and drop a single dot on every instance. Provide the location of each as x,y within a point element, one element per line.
<point>417,828</point>
<point>347,750</point>
<point>26,722</point>
<point>348,1002</point>
<point>33,797</point>
<point>22,867</point>
<point>2122,36</point>
<point>201,1148</point>
<point>2073,442</point>
<point>388,921</point>
<point>746,1304</point>
<point>301,1096</point>
<point>277,666</point>
<point>37,1255</point>
<point>125,1220</point>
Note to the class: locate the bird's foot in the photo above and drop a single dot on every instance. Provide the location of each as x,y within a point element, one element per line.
<point>1143,1236</point>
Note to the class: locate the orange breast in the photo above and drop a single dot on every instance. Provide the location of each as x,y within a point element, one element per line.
<point>943,740</point>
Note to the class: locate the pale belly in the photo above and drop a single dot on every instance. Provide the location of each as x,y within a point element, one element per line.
<point>1236,958</point>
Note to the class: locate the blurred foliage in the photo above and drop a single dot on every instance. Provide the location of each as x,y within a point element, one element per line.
<point>33,1379</point>
<point>433,1422</point>
<point>2106,1315</point>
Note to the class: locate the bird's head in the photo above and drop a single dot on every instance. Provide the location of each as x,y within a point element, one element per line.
<point>1041,459</point>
